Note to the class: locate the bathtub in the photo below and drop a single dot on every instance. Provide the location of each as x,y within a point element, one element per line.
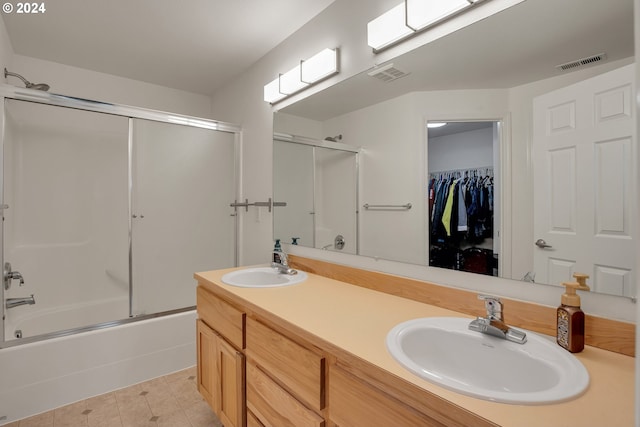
<point>32,322</point>
<point>39,376</point>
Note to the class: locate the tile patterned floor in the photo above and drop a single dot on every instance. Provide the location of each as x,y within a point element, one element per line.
<point>169,401</point>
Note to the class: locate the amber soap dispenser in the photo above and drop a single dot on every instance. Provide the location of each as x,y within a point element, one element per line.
<point>570,318</point>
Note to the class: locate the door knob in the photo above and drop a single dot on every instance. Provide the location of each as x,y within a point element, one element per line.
<point>542,244</point>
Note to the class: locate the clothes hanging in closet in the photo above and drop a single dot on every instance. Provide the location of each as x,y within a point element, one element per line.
<point>461,206</point>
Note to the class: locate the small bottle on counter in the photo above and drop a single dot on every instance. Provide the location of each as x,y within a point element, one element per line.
<point>570,318</point>
<point>277,253</point>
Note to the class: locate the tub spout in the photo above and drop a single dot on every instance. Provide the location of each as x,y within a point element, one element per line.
<point>15,302</point>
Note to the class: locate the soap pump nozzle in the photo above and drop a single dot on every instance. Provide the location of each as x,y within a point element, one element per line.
<point>570,297</point>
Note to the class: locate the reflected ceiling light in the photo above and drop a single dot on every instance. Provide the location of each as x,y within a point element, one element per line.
<point>434,125</point>
<point>319,66</point>
<point>410,17</point>
<point>421,13</point>
<point>313,70</point>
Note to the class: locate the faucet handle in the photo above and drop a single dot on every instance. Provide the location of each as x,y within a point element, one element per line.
<point>493,306</point>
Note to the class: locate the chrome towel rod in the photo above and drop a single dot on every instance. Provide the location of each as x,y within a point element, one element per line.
<point>406,206</point>
<point>270,204</point>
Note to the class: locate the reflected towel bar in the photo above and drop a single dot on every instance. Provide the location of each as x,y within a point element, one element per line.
<point>387,207</point>
<point>270,204</point>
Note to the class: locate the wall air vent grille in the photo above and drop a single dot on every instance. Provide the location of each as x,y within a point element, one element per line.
<point>387,73</point>
<point>582,62</point>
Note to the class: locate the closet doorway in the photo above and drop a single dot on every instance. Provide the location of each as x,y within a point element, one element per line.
<point>463,171</point>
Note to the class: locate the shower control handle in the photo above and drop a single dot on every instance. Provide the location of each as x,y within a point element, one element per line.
<point>9,275</point>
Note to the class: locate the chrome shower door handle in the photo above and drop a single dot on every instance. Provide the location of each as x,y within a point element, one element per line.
<point>542,244</point>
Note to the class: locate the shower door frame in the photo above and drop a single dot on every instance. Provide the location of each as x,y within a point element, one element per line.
<point>40,97</point>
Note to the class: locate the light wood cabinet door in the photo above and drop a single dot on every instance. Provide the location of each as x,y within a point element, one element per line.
<point>221,376</point>
<point>231,395</point>
<point>206,351</point>
<point>355,403</point>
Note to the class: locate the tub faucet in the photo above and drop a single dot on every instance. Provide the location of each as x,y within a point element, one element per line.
<point>15,302</point>
<point>493,323</point>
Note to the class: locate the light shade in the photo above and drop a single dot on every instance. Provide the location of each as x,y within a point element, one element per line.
<point>319,66</point>
<point>421,13</point>
<point>272,91</point>
<point>310,71</point>
<point>290,81</point>
<point>409,17</point>
<point>388,28</point>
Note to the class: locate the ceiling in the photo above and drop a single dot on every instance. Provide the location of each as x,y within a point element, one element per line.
<point>519,45</point>
<point>192,45</point>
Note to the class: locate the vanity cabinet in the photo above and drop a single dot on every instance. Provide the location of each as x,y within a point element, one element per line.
<point>256,369</point>
<point>221,364</point>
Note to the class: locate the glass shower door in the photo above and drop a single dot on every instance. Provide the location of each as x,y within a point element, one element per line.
<point>65,225</point>
<point>183,184</point>
<point>336,189</point>
<point>293,177</point>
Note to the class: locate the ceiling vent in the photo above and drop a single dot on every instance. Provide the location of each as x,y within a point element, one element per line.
<point>582,62</point>
<point>387,73</point>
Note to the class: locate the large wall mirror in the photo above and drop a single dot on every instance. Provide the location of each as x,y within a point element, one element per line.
<point>561,162</point>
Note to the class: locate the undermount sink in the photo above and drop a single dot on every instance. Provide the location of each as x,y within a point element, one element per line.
<point>444,351</point>
<point>262,277</point>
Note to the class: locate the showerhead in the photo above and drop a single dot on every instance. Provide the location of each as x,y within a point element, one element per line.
<point>27,83</point>
<point>336,138</point>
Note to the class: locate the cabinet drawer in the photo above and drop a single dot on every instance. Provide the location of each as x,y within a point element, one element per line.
<point>273,406</point>
<point>355,403</point>
<point>296,367</point>
<point>227,320</point>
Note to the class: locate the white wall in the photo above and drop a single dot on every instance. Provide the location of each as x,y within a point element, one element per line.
<point>78,82</point>
<point>464,150</point>
<point>6,50</point>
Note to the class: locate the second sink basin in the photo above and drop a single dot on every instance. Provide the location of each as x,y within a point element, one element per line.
<point>444,351</point>
<point>262,277</point>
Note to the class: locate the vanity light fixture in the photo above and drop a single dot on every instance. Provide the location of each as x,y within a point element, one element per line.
<point>411,17</point>
<point>311,71</point>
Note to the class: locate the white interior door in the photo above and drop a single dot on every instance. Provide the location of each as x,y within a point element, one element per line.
<point>585,178</point>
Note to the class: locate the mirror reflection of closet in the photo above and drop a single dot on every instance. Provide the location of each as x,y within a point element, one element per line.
<point>463,176</point>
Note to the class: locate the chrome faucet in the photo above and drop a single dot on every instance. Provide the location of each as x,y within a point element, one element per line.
<point>280,262</point>
<point>15,302</point>
<point>493,323</point>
